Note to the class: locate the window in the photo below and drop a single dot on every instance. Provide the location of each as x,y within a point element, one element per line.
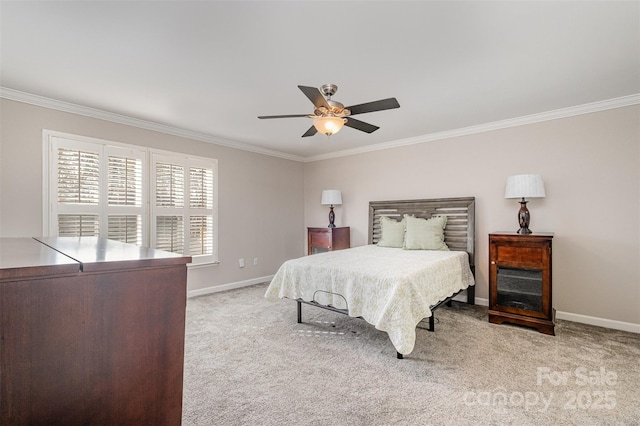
<point>183,204</point>
<point>130,194</point>
<point>98,191</point>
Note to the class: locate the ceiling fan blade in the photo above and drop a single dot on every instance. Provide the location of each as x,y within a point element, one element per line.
<point>380,105</point>
<point>360,125</point>
<point>314,96</point>
<point>283,116</point>
<point>312,131</point>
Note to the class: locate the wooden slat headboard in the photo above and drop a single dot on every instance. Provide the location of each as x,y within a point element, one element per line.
<point>459,233</point>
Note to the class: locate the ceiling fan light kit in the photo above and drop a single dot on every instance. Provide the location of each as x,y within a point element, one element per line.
<point>330,116</point>
<point>329,125</point>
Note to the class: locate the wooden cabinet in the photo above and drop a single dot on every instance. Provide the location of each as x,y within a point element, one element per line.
<point>327,239</point>
<point>92,332</point>
<point>520,280</point>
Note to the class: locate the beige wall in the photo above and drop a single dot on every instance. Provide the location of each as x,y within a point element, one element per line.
<point>260,197</point>
<point>591,168</point>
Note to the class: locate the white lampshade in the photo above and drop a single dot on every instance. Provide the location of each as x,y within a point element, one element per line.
<point>331,197</point>
<point>524,186</point>
<point>328,125</point>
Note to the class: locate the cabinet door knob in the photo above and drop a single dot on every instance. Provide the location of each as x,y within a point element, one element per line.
<point>493,262</point>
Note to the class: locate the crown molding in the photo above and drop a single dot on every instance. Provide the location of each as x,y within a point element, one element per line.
<point>496,125</point>
<point>42,101</point>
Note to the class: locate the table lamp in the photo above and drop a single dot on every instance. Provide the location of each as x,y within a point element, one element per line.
<point>331,197</point>
<point>524,186</point>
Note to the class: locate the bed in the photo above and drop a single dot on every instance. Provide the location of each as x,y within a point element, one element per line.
<point>391,284</point>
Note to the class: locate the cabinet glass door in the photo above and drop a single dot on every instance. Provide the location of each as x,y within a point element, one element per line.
<point>319,241</point>
<point>315,250</point>
<point>519,288</point>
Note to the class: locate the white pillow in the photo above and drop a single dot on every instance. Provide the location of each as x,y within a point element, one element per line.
<point>425,234</point>
<point>391,232</point>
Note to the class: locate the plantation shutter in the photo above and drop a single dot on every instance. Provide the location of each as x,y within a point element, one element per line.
<point>169,185</point>
<point>99,191</point>
<point>78,176</point>
<point>78,225</point>
<point>75,194</point>
<point>124,181</point>
<point>169,202</point>
<point>201,210</point>
<point>125,197</point>
<point>183,206</point>
<point>170,233</point>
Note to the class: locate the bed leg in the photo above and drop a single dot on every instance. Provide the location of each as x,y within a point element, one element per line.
<point>471,295</point>
<point>432,323</point>
<point>399,355</point>
<point>299,311</point>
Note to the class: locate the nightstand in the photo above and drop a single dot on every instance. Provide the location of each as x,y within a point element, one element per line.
<point>520,280</point>
<point>327,239</point>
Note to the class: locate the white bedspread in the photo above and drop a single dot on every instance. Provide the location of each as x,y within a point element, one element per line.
<point>390,288</point>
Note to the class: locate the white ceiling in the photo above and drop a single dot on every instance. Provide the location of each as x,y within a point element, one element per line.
<point>212,67</point>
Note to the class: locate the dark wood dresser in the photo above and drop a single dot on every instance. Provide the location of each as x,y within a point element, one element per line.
<point>92,332</point>
<point>327,239</point>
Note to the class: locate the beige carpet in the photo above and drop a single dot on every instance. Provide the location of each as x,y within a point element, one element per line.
<point>248,362</point>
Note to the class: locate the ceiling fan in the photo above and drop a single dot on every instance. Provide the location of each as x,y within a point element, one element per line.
<point>329,116</point>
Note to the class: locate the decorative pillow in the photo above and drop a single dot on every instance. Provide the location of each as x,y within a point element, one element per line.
<point>425,234</point>
<point>391,232</point>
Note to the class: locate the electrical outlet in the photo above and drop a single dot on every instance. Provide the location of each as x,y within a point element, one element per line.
<point>241,262</point>
<point>255,261</point>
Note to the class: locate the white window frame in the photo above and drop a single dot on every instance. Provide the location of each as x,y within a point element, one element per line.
<point>52,140</point>
<point>186,210</point>
<point>103,210</point>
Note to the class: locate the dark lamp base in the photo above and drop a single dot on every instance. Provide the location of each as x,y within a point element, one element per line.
<point>524,218</point>
<point>332,217</point>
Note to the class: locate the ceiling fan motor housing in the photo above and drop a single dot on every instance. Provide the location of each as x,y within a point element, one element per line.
<point>336,109</point>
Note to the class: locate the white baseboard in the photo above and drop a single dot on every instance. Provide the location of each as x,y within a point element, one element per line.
<point>462,297</point>
<point>568,316</point>
<point>482,302</point>
<point>229,286</point>
<point>600,322</point>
